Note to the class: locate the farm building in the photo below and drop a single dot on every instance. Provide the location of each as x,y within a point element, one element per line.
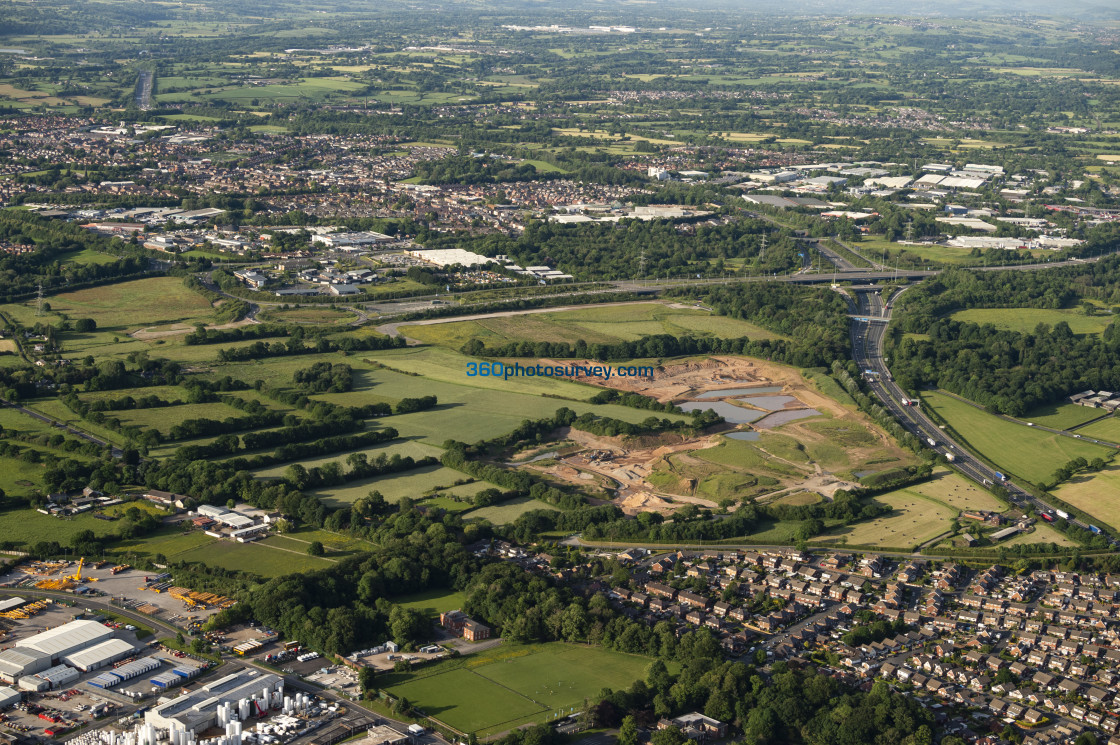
<point>999,535</point>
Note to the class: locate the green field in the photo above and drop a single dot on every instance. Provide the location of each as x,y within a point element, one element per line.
<point>431,602</point>
<point>254,558</point>
<point>623,322</point>
<point>310,316</point>
<point>163,418</point>
<point>88,256</point>
<point>1026,319</point>
<point>507,512</point>
<point>169,540</point>
<point>337,546</point>
<point>1063,416</point>
<point>403,448</point>
<point>471,408</point>
<point>1021,451</point>
<point>514,684</point>
<point>1042,533</point>
<point>913,521</point>
<point>921,512</point>
<point>1105,429</point>
<point>1096,494</point>
<point>394,487</point>
<point>141,302</point>
<point>27,526</point>
<point>19,478</point>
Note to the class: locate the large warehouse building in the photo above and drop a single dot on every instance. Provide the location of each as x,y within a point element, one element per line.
<point>37,653</point>
<point>16,662</point>
<point>198,710</point>
<point>99,655</point>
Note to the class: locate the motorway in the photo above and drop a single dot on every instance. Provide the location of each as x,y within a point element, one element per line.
<point>867,351</point>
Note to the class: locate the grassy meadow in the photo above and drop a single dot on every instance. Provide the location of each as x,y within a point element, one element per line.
<point>1021,451</point>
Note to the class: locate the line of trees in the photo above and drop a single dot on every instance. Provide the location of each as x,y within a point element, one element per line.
<point>295,346</point>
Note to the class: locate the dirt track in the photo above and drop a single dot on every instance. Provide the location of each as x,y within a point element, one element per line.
<point>157,332</point>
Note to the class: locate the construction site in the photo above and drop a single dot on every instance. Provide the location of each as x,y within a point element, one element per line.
<point>781,436</point>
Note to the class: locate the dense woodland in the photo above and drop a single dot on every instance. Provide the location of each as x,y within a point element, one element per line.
<point>1010,372</point>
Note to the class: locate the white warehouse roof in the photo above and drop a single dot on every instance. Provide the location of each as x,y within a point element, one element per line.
<point>99,655</point>
<point>8,697</point>
<point>67,638</point>
<point>15,662</point>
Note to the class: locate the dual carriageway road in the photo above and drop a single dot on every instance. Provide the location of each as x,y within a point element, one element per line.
<point>868,331</point>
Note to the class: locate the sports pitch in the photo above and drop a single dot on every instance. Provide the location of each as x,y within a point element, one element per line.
<point>512,685</point>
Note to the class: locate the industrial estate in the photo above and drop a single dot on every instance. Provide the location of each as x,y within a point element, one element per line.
<point>445,373</point>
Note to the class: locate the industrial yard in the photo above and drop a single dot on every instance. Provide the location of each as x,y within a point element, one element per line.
<point>63,667</point>
<point>149,593</point>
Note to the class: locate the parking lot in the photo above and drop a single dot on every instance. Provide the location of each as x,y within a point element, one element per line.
<point>57,711</point>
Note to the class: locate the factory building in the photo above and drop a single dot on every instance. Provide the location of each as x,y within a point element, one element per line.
<point>66,639</point>
<point>16,662</point>
<point>247,693</point>
<point>37,653</point>
<point>51,678</point>
<point>8,697</point>
<point>99,655</point>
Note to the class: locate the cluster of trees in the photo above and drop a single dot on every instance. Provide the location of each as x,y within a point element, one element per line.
<point>203,335</point>
<point>343,608</point>
<point>847,374</point>
<point>1070,469</point>
<point>190,429</point>
<point>125,403</point>
<point>301,450</point>
<point>591,251</point>
<point>410,405</point>
<point>610,427</point>
<point>325,377</point>
<point>20,274</point>
<point>633,400</point>
<point>296,430</point>
<point>484,169</point>
<point>652,346</point>
<point>815,321</point>
<point>1009,372</point>
<point>515,482</point>
<point>360,467</point>
<point>322,345</point>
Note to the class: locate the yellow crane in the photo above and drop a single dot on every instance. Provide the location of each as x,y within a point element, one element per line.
<point>77,576</point>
